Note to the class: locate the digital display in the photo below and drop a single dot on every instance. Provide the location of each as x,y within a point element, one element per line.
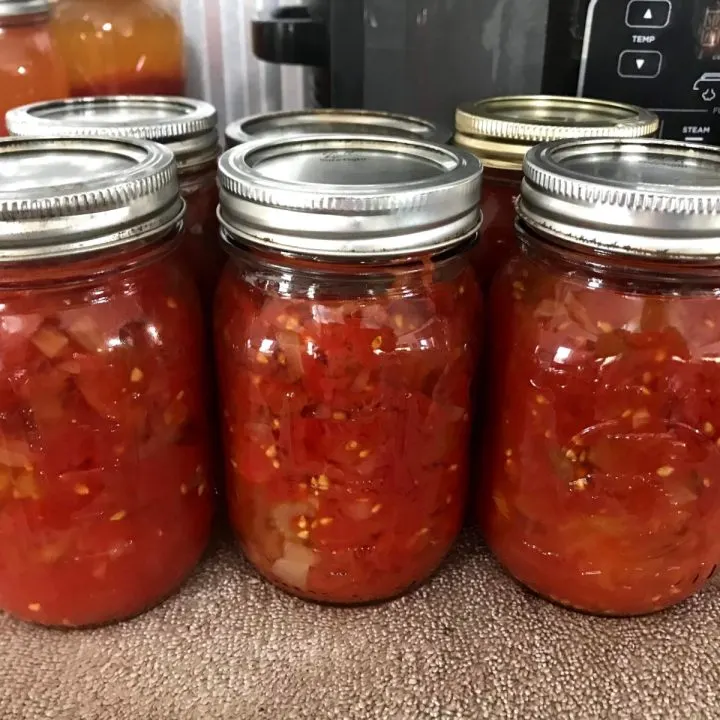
<point>709,32</point>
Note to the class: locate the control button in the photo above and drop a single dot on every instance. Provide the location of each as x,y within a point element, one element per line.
<point>708,86</point>
<point>648,13</point>
<point>639,64</point>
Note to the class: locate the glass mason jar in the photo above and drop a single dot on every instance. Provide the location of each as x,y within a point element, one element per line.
<point>132,47</point>
<point>602,489</point>
<point>347,332</point>
<point>187,127</point>
<point>105,492</point>
<point>316,121</point>
<point>31,68</point>
<point>501,130</point>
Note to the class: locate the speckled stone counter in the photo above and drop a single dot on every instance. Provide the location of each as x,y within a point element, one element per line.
<point>471,644</point>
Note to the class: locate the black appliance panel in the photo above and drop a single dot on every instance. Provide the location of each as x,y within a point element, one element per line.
<point>661,54</point>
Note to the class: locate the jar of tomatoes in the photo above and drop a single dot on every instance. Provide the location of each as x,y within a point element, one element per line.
<point>347,327</point>
<point>318,121</point>
<point>105,494</point>
<point>126,47</point>
<point>187,127</point>
<point>30,65</point>
<point>602,490</point>
<point>501,130</point>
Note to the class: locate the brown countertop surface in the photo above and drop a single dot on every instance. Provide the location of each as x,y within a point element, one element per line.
<point>470,644</point>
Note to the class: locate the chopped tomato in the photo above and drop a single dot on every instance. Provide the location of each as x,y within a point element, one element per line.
<point>603,489</point>
<point>105,492</point>
<point>347,424</point>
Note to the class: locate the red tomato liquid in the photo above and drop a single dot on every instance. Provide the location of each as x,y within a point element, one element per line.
<point>105,495</point>
<point>200,246</point>
<point>347,424</point>
<point>603,488</point>
<point>497,235</point>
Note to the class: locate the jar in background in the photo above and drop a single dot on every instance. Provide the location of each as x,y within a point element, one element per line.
<point>319,121</point>
<point>347,328</point>
<point>133,47</point>
<point>105,494</point>
<point>187,127</point>
<point>602,489</point>
<point>31,68</point>
<point>501,130</point>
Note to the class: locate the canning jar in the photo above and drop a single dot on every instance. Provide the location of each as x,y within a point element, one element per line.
<point>347,335</point>
<point>30,64</point>
<point>318,121</point>
<point>602,489</point>
<point>501,130</point>
<point>105,494</point>
<point>188,127</point>
<point>113,47</point>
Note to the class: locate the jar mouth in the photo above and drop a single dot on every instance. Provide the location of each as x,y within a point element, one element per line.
<point>323,120</point>
<point>23,8</point>
<point>352,252</point>
<point>349,196</point>
<point>501,130</point>
<point>65,197</point>
<point>653,199</point>
<point>187,127</point>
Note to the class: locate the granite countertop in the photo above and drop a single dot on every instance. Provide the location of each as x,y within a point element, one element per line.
<point>470,644</point>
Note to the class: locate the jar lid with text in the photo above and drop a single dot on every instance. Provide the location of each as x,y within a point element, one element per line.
<point>62,197</point>
<point>324,121</point>
<point>187,127</point>
<point>354,197</point>
<point>501,130</point>
<point>654,199</point>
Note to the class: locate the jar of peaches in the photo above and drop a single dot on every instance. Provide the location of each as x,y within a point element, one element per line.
<point>347,335</point>
<point>501,130</point>
<point>120,47</point>
<point>31,68</point>
<point>105,490</point>
<point>601,487</point>
<point>187,127</point>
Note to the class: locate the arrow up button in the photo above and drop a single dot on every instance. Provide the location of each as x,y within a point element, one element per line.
<point>640,64</point>
<point>648,14</point>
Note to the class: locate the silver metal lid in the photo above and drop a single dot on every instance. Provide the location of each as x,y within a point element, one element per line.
<point>17,8</point>
<point>71,196</point>
<point>501,130</point>
<point>316,122</point>
<point>349,196</point>
<point>649,198</point>
<point>188,127</point>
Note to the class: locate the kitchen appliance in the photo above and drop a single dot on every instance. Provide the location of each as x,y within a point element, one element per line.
<point>424,57</point>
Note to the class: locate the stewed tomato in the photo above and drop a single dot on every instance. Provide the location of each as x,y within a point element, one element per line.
<point>346,421</point>
<point>603,483</point>
<point>497,238</point>
<point>105,493</point>
<point>200,245</point>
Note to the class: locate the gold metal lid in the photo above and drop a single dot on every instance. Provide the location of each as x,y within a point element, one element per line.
<point>501,130</point>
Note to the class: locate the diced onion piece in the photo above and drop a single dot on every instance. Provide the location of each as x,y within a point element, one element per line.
<point>283,515</point>
<point>86,332</point>
<point>293,567</point>
<point>14,453</point>
<point>360,509</point>
<point>71,367</point>
<point>680,494</point>
<point>290,345</point>
<point>49,341</point>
